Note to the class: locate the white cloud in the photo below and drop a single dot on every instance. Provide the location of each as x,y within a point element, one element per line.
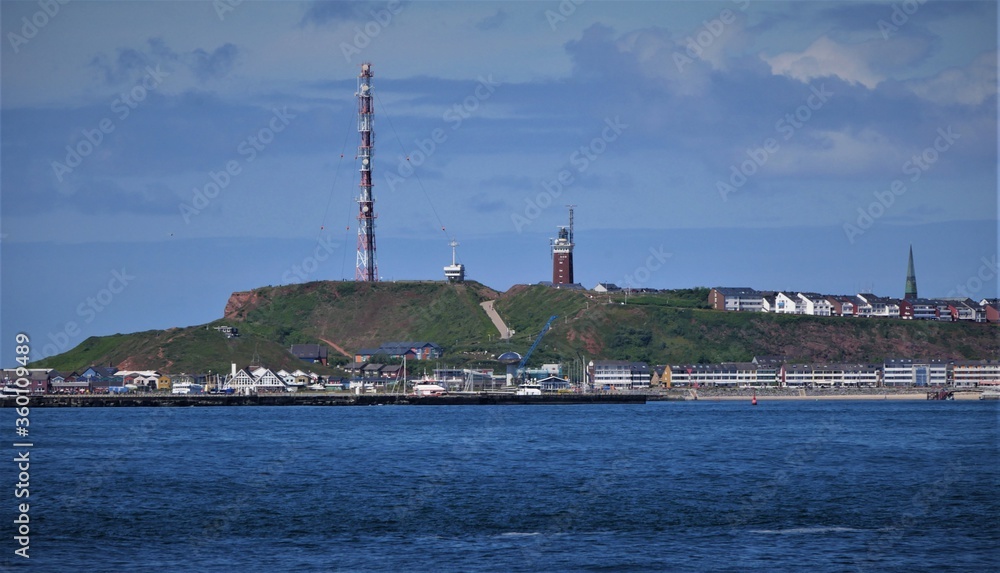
<point>970,85</point>
<point>837,153</point>
<point>824,58</point>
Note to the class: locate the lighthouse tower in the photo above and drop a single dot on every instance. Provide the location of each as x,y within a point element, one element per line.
<point>562,254</point>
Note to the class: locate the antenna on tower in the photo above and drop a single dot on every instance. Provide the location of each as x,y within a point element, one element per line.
<point>367,268</point>
<point>454,272</point>
<point>571,224</point>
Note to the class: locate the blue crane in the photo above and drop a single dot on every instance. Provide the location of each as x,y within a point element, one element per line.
<point>527,355</point>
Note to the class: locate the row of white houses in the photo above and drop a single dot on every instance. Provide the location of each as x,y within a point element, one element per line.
<point>900,372</point>
<point>261,379</point>
<point>864,305</point>
<point>769,373</point>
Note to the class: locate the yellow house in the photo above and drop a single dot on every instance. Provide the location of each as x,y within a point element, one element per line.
<point>660,376</point>
<point>163,382</point>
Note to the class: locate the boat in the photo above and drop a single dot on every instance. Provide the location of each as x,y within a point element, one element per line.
<point>187,388</point>
<point>529,389</point>
<point>990,394</point>
<point>427,388</point>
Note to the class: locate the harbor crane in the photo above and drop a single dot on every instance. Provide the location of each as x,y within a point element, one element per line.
<point>519,372</point>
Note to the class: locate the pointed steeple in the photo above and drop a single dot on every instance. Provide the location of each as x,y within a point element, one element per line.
<point>911,279</point>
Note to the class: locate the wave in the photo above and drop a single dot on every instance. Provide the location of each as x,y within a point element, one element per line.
<point>805,530</point>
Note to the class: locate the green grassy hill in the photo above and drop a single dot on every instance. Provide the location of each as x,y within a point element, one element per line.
<point>670,327</point>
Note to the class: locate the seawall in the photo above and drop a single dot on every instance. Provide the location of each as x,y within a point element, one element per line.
<point>167,400</point>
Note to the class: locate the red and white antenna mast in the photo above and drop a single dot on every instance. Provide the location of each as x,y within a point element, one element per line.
<point>367,268</point>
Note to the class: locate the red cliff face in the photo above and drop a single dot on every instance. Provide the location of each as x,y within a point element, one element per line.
<point>239,304</point>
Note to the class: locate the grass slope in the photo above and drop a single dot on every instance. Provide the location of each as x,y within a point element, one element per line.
<point>674,327</point>
<point>671,327</point>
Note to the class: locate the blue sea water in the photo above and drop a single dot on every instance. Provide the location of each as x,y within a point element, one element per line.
<point>784,486</point>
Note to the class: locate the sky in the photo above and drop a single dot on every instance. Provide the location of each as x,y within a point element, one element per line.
<point>157,156</point>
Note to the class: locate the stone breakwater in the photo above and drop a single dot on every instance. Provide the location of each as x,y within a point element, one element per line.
<point>168,400</point>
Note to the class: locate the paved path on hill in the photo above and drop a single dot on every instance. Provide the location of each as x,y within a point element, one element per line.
<point>338,348</point>
<point>497,321</point>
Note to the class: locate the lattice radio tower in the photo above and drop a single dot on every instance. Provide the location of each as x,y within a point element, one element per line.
<point>367,268</point>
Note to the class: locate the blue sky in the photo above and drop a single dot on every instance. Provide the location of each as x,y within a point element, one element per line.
<point>157,156</point>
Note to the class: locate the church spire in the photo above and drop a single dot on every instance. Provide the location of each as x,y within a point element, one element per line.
<point>911,279</point>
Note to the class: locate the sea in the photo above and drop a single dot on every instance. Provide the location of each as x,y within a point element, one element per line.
<point>816,486</point>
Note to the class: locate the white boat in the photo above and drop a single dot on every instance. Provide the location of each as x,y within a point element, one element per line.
<point>187,388</point>
<point>990,394</point>
<point>529,389</point>
<point>425,388</point>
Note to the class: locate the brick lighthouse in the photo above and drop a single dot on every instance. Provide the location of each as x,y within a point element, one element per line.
<point>562,254</point>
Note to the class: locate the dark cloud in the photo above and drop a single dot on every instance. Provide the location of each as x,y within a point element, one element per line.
<point>104,196</point>
<point>321,12</point>
<point>492,22</point>
<point>216,64</point>
<point>487,203</point>
<point>596,54</point>
<point>129,64</point>
<point>860,16</point>
<point>508,182</point>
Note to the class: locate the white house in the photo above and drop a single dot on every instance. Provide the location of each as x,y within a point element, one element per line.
<point>145,378</point>
<point>830,375</point>
<point>268,380</point>
<point>815,304</point>
<point>743,299</point>
<point>911,372</point>
<point>976,373</point>
<point>877,306</point>
<point>618,374</point>
<point>242,381</point>
<point>841,305</point>
<point>862,308</point>
<point>725,375</point>
<point>785,303</point>
<point>768,303</point>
